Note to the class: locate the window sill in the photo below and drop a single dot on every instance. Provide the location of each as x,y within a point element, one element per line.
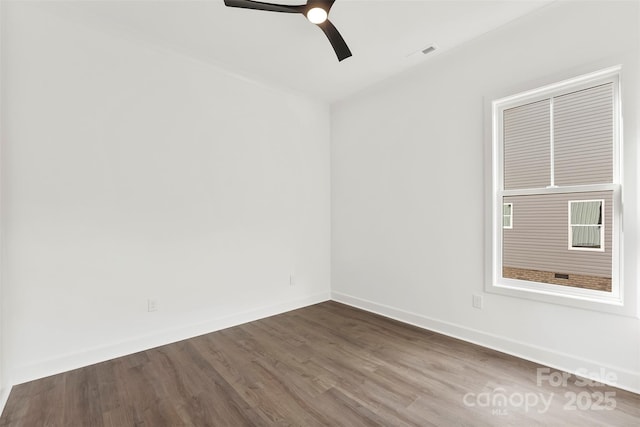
<point>561,295</point>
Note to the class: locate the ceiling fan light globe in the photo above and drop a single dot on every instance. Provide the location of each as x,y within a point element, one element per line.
<point>317,15</point>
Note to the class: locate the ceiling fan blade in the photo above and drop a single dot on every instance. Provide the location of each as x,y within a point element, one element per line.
<point>338,43</point>
<point>270,7</point>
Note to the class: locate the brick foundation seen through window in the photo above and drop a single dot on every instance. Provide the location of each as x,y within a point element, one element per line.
<point>574,280</point>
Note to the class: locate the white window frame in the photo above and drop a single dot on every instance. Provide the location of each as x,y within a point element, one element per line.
<point>571,225</point>
<point>510,226</point>
<point>566,295</point>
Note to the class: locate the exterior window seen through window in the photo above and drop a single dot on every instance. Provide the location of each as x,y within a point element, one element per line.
<point>507,215</point>
<point>586,225</point>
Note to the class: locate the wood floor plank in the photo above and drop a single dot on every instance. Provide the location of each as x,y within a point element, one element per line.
<point>324,365</point>
<point>42,406</point>
<point>82,404</point>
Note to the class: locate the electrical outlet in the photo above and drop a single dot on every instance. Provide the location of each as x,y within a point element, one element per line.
<point>152,304</point>
<point>292,280</point>
<point>477,301</point>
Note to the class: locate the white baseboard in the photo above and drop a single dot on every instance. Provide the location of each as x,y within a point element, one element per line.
<point>626,379</point>
<point>25,373</point>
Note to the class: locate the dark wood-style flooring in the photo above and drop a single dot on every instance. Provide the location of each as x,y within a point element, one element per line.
<point>327,364</point>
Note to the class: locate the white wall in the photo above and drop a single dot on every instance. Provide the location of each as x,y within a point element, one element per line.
<point>132,172</point>
<point>408,194</point>
<point>4,388</point>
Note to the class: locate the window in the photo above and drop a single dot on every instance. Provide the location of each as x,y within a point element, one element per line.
<point>586,227</point>
<point>555,153</point>
<point>507,215</point>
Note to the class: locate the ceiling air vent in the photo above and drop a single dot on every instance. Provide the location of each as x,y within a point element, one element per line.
<point>424,51</point>
<point>429,49</point>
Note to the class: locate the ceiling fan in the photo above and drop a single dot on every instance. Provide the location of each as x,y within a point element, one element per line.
<point>316,12</point>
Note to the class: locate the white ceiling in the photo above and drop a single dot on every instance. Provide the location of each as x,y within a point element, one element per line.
<point>287,51</point>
